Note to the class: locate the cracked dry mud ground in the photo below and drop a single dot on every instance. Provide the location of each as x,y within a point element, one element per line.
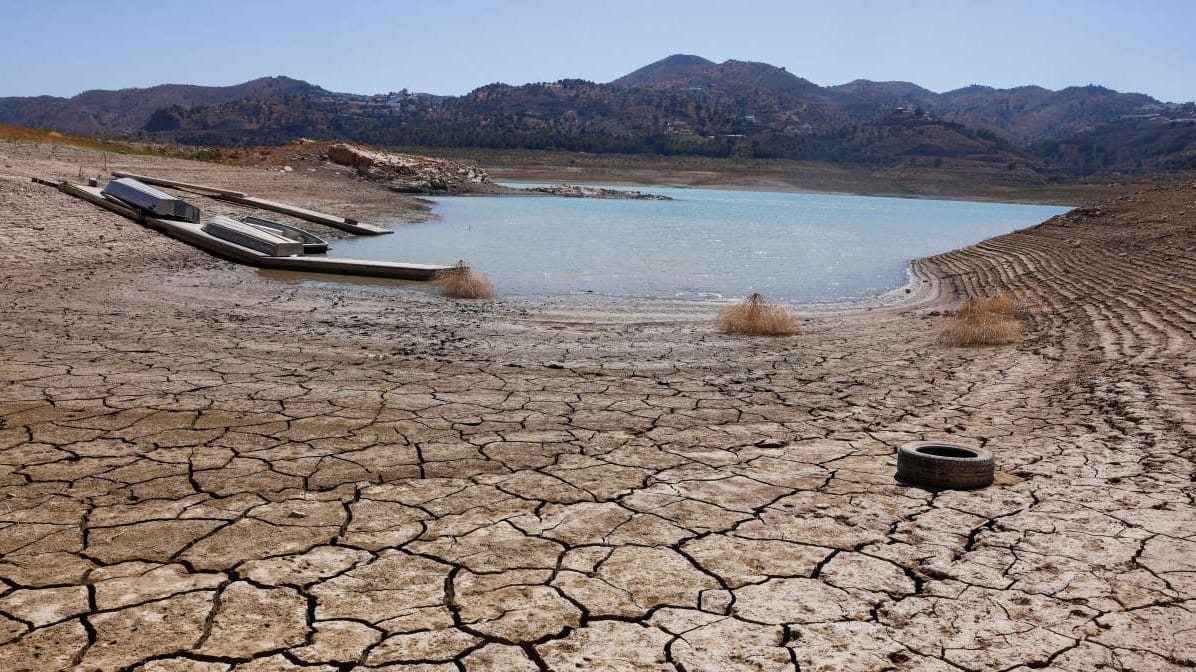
<point>206,469</point>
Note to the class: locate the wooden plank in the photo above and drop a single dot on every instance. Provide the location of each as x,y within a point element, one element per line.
<point>93,195</point>
<point>196,236</point>
<point>334,221</point>
<point>376,269</point>
<point>162,182</point>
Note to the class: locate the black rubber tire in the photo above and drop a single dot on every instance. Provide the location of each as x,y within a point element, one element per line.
<point>945,466</point>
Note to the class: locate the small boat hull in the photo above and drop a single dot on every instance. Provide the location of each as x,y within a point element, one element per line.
<point>150,200</point>
<point>312,244</point>
<point>246,235</point>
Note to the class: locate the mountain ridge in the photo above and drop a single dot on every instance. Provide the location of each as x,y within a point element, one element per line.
<point>106,110</point>
<point>681,104</point>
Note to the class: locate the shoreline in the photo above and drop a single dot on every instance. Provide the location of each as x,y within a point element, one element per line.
<point>896,297</point>
<point>802,178</point>
<point>791,189</point>
<point>280,476</point>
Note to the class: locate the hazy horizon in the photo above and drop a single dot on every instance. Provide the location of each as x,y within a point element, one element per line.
<point>459,45</point>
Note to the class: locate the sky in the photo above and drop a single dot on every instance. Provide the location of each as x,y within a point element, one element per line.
<point>450,47</point>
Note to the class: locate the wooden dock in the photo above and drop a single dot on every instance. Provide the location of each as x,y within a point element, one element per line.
<point>193,234</point>
<point>334,221</point>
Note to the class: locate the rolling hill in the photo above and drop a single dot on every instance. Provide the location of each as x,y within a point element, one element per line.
<point>128,110</point>
<point>682,104</point>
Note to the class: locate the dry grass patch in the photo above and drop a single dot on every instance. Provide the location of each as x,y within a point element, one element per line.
<point>757,315</point>
<point>12,133</point>
<point>1001,305</point>
<point>987,320</point>
<point>462,282</point>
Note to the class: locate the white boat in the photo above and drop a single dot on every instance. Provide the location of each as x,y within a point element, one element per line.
<point>150,200</point>
<point>312,244</point>
<point>247,235</point>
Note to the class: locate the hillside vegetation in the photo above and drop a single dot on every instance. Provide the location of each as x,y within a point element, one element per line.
<point>679,106</point>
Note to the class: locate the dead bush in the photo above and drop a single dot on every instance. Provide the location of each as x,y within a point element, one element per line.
<point>462,282</point>
<point>984,321</point>
<point>1002,304</point>
<point>759,316</point>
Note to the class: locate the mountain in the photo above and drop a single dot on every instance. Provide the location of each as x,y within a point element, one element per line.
<point>1031,113</point>
<point>683,105</point>
<point>682,71</point>
<point>1163,140</point>
<point>670,70</point>
<point>862,97</point>
<point>127,110</point>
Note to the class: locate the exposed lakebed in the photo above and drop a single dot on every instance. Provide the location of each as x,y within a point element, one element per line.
<point>704,244</point>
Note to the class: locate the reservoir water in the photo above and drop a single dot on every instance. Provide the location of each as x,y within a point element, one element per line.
<point>704,245</point>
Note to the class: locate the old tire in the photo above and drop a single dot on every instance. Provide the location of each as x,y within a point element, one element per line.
<point>944,466</point>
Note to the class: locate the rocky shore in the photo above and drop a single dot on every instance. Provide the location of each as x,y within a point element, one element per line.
<point>430,176</point>
<point>409,173</point>
<point>577,191</point>
<point>205,468</point>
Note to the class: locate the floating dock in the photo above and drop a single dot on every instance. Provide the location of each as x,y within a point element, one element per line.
<point>334,221</point>
<point>194,234</point>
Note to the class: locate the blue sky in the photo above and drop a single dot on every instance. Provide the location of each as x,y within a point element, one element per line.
<point>63,47</point>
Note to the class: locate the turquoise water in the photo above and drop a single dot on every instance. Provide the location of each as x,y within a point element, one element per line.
<point>705,245</point>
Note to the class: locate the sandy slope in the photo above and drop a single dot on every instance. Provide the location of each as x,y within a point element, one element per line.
<point>204,468</point>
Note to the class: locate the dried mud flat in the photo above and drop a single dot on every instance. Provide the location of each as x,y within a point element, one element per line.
<point>206,469</point>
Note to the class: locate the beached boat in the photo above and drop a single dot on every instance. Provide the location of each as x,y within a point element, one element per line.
<point>312,244</point>
<point>247,235</point>
<point>150,200</point>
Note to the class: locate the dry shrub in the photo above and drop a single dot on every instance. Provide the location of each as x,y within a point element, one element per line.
<point>757,315</point>
<point>984,321</point>
<point>462,282</point>
<point>1001,305</point>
